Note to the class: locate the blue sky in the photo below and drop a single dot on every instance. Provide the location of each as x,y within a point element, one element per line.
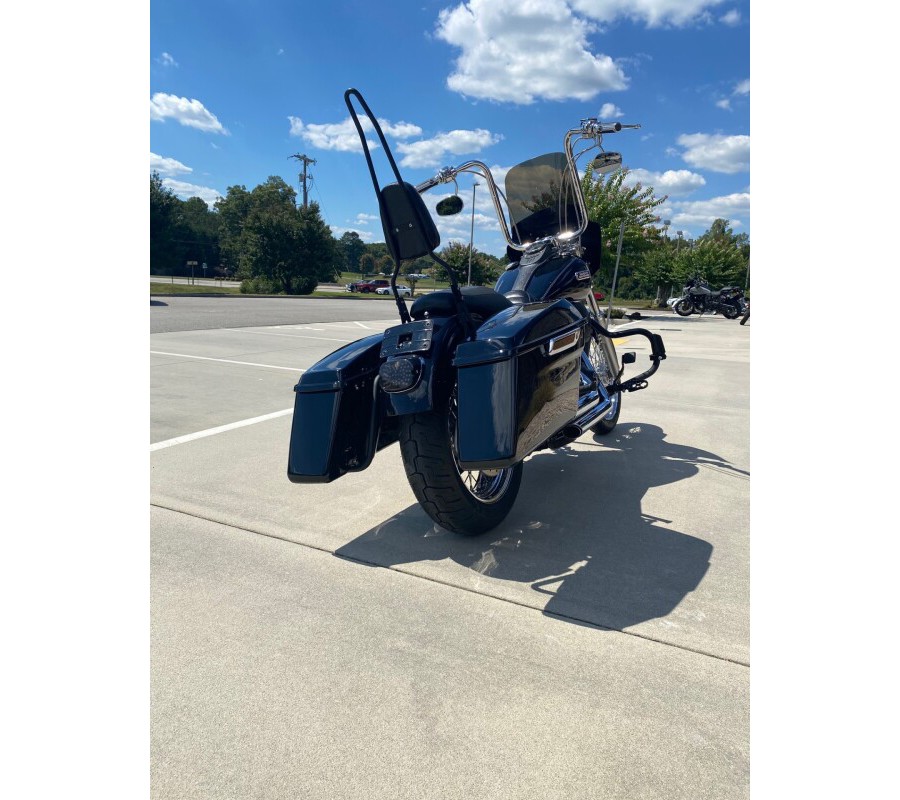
<point>236,88</point>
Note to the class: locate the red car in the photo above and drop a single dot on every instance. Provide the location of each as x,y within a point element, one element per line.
<point>367,286</point>
<point>598,296</point>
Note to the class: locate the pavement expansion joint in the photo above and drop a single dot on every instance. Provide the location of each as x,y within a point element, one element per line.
<point>364,562</point>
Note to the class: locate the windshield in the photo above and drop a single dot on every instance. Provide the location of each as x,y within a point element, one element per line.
<point>541,199</point>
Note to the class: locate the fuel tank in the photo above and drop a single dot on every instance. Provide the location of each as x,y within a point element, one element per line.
<point>542,274</point>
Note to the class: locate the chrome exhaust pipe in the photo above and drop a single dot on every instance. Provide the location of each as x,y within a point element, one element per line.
<point>580,425</point>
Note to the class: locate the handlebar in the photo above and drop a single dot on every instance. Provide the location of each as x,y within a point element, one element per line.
<point>593,127</point>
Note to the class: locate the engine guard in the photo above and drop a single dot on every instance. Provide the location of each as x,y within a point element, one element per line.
<point>657,354</point>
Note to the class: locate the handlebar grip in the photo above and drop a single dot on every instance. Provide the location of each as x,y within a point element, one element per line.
<point>426,185</point>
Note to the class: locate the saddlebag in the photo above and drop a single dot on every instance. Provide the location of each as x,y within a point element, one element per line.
<point>518,382</point>
<point>337,423</point>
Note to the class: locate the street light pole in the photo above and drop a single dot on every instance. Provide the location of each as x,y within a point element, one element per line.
<point>472,233</point>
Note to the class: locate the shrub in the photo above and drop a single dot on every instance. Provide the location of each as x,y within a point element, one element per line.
<point>305,285</point>
<point>259,285</point>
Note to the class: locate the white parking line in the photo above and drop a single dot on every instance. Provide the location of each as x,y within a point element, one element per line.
<point>224,361</point>
<point>190,437</point>
<point>288,335</point>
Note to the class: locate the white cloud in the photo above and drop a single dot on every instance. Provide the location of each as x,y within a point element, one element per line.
<point>609,111</point>
<point>716,152</point>
<point>519,51</point>
<point>167,61</point>
<point>654,13</point>
<point>186,190</point>
<point>187,112</point>
<point>365,219</point>
<point>732,17</point>
<point>366,236</point>
<point>342,136</point>
<point>280,51</point>
<point>167,166</point>
<point>670,182</point>
<point>725,104</point>
<point>743,87</point>
<point>459,228</point>
<point>701,214</point>
<point>433,152</point>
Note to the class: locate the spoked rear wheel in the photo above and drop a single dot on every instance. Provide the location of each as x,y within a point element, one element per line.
<point>601,363</point>
<point>467,502</point>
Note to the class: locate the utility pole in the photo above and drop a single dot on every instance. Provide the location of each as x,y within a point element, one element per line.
<point>615,273</point>
<point>306,162</point>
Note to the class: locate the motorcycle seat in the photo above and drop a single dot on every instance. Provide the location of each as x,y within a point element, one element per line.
<point>479,300</point>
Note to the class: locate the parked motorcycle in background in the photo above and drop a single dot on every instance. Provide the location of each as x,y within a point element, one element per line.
<point>473,380</point>
<point>699,298</point>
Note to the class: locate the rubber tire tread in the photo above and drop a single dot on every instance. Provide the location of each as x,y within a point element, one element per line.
<point>680,305</point>
<point>432,475</point>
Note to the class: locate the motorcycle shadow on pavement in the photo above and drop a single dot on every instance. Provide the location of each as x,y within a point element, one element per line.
<point>576,542</point>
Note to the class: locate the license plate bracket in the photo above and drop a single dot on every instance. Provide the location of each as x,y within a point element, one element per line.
<point>413,337</point>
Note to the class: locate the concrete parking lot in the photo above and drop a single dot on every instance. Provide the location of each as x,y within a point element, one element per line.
<point>328,641</point>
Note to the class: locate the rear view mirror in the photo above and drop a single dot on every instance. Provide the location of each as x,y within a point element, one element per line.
<point>449,206</point>
<point>606,162</point>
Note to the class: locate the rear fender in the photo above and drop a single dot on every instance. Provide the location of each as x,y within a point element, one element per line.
<point>430,343</point>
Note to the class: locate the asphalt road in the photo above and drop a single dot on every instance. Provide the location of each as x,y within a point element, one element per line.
<point>328,641</point>
<point>188,313</point>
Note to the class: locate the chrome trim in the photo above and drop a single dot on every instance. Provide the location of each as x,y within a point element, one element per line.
<point>584,422</point>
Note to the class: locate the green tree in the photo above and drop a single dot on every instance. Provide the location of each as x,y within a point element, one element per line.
<point>350,248</point>
<point>275,246</point>
<point>163,219</point>
<point>722,234</point>
<point>232,210</point>
<point>655,272</point>
<point>289,249</point>
<point>384,265</point>
<point>485,268</point>
<point>198,233</point>
<point>366,264</point>
<point>611,202</point>
<point>719,262</point>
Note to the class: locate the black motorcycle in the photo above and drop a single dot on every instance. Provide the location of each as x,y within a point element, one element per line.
<point>474,379</point>
<point>699,298</point>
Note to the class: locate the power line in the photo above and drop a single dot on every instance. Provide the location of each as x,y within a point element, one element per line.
<point>321,204</point>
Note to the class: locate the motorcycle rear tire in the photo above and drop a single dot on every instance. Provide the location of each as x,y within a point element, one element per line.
<point>607,423</point>
<point>464,502</point>
<point>606,375</point>
<point>730,312</point>
<point>684,308</point>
